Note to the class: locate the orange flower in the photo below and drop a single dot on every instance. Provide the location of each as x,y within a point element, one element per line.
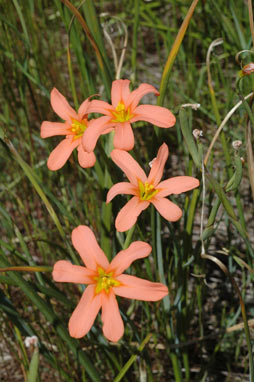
<point>124,111</point>
<point>105,280</point>
<point>74,126</point>
<point>147,190</point>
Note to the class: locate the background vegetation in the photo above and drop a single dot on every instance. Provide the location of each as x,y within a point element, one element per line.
<point>197,333</point>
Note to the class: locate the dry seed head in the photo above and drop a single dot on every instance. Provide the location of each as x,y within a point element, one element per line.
<point>197,133</point>
<point>194,106</point>
<point>237,144</point>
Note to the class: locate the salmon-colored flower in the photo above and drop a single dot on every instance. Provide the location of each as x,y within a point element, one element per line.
<point>124,111</point>
<point>147,190</point>
<point>73,128</point>
<point>105,280</point>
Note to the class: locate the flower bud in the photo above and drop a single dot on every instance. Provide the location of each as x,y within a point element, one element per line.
<point>248,69</point>
<point>237,144</point>
<point>31,341</point>
<point>197,133</point>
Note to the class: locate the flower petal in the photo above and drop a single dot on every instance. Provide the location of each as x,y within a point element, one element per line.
<point>85,243</point>
<point>121,188</point>
<point>140,289</point>
<point>64,271</point>
<point>61,153</point>
<point>177,185</point>
<point>122,261</point>
<point>170,211</point>
<point>83,109</point>
<point>124,137</point>
<point>61,107</point>
<point>158,165</point>
<point>113,327</point>
<point>85,159</point>
<point>157,115</point>
<point>50,129</point>
<point>120,92</point>
<point>128,215</point>
<point>95,128</point>
<point>129,166</point>
<point>138,93</point>
<point>98,106</point>
<point>85,313</point>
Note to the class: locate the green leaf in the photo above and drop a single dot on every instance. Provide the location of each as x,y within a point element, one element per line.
<point>45,308</point>
<point>34,366</point>
<point>235,181</point>
<point>222,196</point>
<point>166,301</point>
<point>188,137</point>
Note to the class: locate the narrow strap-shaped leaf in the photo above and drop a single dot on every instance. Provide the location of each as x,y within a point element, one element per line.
<point>166,301</point>
<point>174,50</point>
<point>188,137</point>
<point>104,71</point>
<point>52,318</point>
<point>222,196</point>
<point>96,30</point>
<point>33,179</point>
<point>34,366</point>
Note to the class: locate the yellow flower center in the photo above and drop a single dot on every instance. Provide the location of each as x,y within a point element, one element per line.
<point>146,190</point>
<point>78,127</point>
<point>121,114</point>
<point>104,281</point>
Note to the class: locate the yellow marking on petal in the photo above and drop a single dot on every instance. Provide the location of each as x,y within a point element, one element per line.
<point>78,127</point>
<point>146,190</point>
<point>104,281</point>
<point>121,114</point>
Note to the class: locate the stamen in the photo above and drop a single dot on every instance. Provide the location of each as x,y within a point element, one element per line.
<point>78,127</point>
<point>104,281</point>
<point>121,114</point>
<point>146,190</point>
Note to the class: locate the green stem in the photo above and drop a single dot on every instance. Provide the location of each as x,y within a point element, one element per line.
<point>174,359</point>
<point>166,301</point>
<point>191,211</point>
<point>129,237</point>
<point>132,359</point>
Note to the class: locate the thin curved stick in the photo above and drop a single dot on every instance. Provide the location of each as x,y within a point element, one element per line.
<point>117,65</point>
<point>223,123</point>
<point>109,39</point>
<point>214,43</point>
<point>239,53</point>
<point>123,51</point>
